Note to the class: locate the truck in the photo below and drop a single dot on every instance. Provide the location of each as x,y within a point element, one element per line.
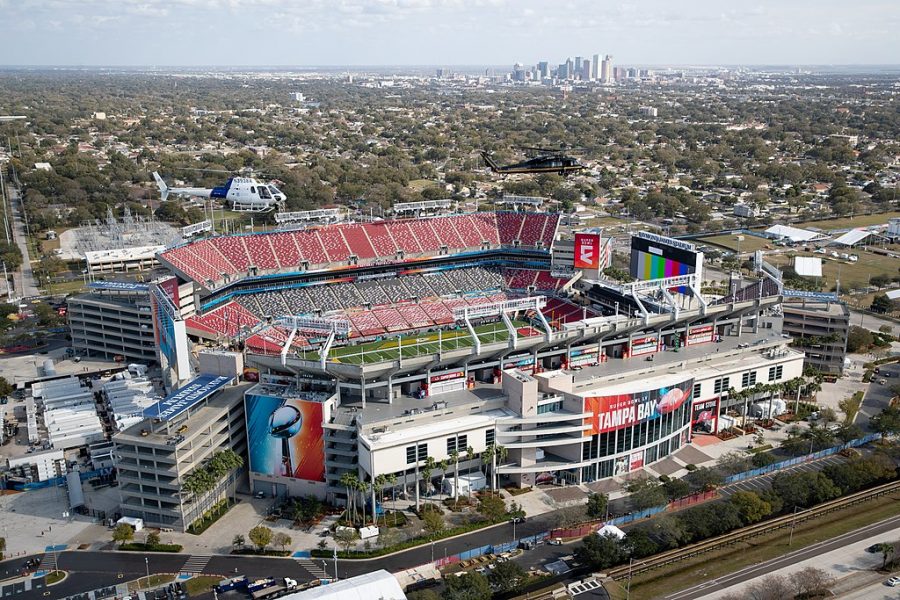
<point>275,589</point>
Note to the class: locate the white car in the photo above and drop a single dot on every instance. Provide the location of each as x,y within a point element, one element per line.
<point>892,582</point>
<point>555,542</point>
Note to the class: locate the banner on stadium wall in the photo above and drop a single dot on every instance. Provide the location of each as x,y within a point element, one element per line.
<point>704,414</point>
<point>285,437</point>
<point>620,467</point>
<point>587,250</point>
<point>610,413</point>
<point>447,376</point>
<point>170,287</point>
<point>699,335</point>
<point>637,461</point>
<point>522,363</point>
<point>584,356</point>
<point>645,345</point>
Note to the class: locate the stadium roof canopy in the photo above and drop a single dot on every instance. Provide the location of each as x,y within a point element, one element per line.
<point>808,266</point>
<point>792,233</point>
<point>854,237</point>
<point>377,585</point>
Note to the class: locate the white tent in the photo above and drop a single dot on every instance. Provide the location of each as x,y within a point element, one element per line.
<point>377,585</point>
<point>808,266</point>
<point>854,237</point>
<point>794,234</point>
<point>612,531</point>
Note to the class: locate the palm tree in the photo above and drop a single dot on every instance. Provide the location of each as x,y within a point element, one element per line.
<point>500,454</point>
<point>454,456</point>
<point>443,466</point>
<point>886,550</point>
<point>349,481</point>
<point>427,470</point>
<point>470,456</point>
<point>362,487</point>
<point>486,457</point>
<point>377,486</point>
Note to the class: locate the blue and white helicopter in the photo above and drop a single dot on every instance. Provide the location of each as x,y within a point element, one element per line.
<point>245,194</point>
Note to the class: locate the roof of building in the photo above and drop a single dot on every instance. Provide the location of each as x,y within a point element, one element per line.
<point>793,233</point>
<point>808,266</point>
<point>119,254</point>
<point>893,294</point>
<point>853,237</point>
<point>377,585</point>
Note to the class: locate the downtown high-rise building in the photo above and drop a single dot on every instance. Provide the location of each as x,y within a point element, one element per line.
<point>578,60</point>
<point>544,69</point>
<point>606,70</point>
<point>585,70</point>
<point>595,68</point>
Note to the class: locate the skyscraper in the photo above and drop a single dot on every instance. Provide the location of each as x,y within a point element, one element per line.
<point>544,69</point>
<point>585,70</point>
<point>570,69</point>
<point>595,68</point>
<point>578,65</point>
<point>606,72</point>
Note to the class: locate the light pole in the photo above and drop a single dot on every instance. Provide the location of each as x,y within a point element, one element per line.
<point>628,588</point>
<point>793,520</point>
<point>147,564</point>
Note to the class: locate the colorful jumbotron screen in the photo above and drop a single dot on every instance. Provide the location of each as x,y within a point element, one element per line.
<point>658,257</point>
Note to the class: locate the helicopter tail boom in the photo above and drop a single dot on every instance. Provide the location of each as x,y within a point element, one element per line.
<point>489,161</point>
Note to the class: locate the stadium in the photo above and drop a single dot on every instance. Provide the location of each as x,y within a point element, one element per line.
<point>378,345</point>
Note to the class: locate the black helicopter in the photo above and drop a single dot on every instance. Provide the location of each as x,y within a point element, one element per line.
<point>541,160</point>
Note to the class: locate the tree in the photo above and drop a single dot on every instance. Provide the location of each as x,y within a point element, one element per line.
<point>492,507</point>
<point>859,339</point>
<point>645,493</point>
<point>471,586</point>
<point>426,470</point>
<point>804,489</point>
<point>705,478</point>
<point>6,387</point>
<point>733,462</point>
<point>882,304</point>
<point>261,536</point>
<point>887,550</point>
<point>123,533</point>
<point>600,551</point>
<point>750,506</point>
<point>887,422</point>
<point>434,523</point>
<point>676,488</point>
<point>640,542</point>
<point>597,505</point>
<point>811,582</point>
<point>426,594</point>
<point>346,536</point>
<point>2,547</point>
<point>770,587</point>
<point>454,456</point>
<point>506,576</point>
<point>152,540</point>
<point>238,541</point>
<point>388,536</point>
<point>709,520</point>
<point>281,539</point>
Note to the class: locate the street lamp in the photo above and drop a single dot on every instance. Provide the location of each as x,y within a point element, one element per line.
<point>147,564</point>
<point>793,520</point>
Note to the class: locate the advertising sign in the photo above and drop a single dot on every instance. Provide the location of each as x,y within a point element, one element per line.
<point>285,437</point>
<point>645,345</point>
<point>637,461</point>
<point>624,410</point>
<point>584,356</point>
<point>658,257</point>
<point>704,414</point>
<point>524,363</point>
<point>170,287</point>
<point>447,376</point>
<point>186,396</point>
<point>699,335</point>
<point>587,250</point>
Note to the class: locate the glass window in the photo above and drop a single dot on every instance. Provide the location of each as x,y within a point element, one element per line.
<point>488,437</point>
<point>697,387</point>
<point>410,454</point>
<point>423,451</point>
<point>451,445</point>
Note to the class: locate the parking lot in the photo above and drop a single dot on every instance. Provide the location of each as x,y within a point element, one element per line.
<point>764,482</point>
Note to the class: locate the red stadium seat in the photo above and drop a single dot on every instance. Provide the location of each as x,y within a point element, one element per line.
<point>260,250</point>
<point>405,238</point>
<point>358,241</point>
<point>310,247</point>
<point>381,239</point>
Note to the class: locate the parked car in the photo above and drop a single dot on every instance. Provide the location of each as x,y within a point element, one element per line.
<point>555,542</point>
<point>892,582</point>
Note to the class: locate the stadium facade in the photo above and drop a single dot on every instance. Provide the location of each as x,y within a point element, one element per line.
<point>465,338</point>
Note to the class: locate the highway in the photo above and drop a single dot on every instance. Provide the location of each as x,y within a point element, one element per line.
<point>878,395</point>
<point>761,569</point>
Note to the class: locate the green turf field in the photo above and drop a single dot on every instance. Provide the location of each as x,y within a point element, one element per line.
<point>412,345</point>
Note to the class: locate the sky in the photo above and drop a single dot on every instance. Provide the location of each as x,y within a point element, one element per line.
<point>447,32</point>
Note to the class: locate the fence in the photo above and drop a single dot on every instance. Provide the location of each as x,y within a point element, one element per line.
<point>57,481</point>
<point>801,459</point>
<point>692,500</point>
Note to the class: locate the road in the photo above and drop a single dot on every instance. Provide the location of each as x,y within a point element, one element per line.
<point>872,322</point>
<point>877,395</point>
<point>24,278</point>
<point>761,569</point>
<point>89,570</point>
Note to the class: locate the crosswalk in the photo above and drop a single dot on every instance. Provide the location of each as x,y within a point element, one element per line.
<point>314,567</point>
<point>48,562</point>
<point>583,586</point>
<point>196,563</point>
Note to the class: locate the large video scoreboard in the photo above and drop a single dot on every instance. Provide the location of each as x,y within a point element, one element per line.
<point>657,257</point>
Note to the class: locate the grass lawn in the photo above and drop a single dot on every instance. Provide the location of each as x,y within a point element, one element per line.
<point>146,583</point>
<point>852,275</point>
<point>850,222</point>
<point>417,345</point>
<point>201,584</point>
<point>751,243</point>
<point>55,577</point>
<point>687,573</point>
<point>68,287</point>
<point>417,185</point>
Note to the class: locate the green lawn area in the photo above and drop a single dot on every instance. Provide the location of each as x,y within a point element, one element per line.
<point>693,571</point>
<point>417,185</point>
<point>750,243</point>
<point>850,222</point>
<point>69,287</point>
<point>413,345</point>
<point>146,583</point>
<point>55,577</point>
<point>201,584</point>
<point>852,275</point>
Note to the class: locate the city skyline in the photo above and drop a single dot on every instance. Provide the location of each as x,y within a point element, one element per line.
<point>444,32</point>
